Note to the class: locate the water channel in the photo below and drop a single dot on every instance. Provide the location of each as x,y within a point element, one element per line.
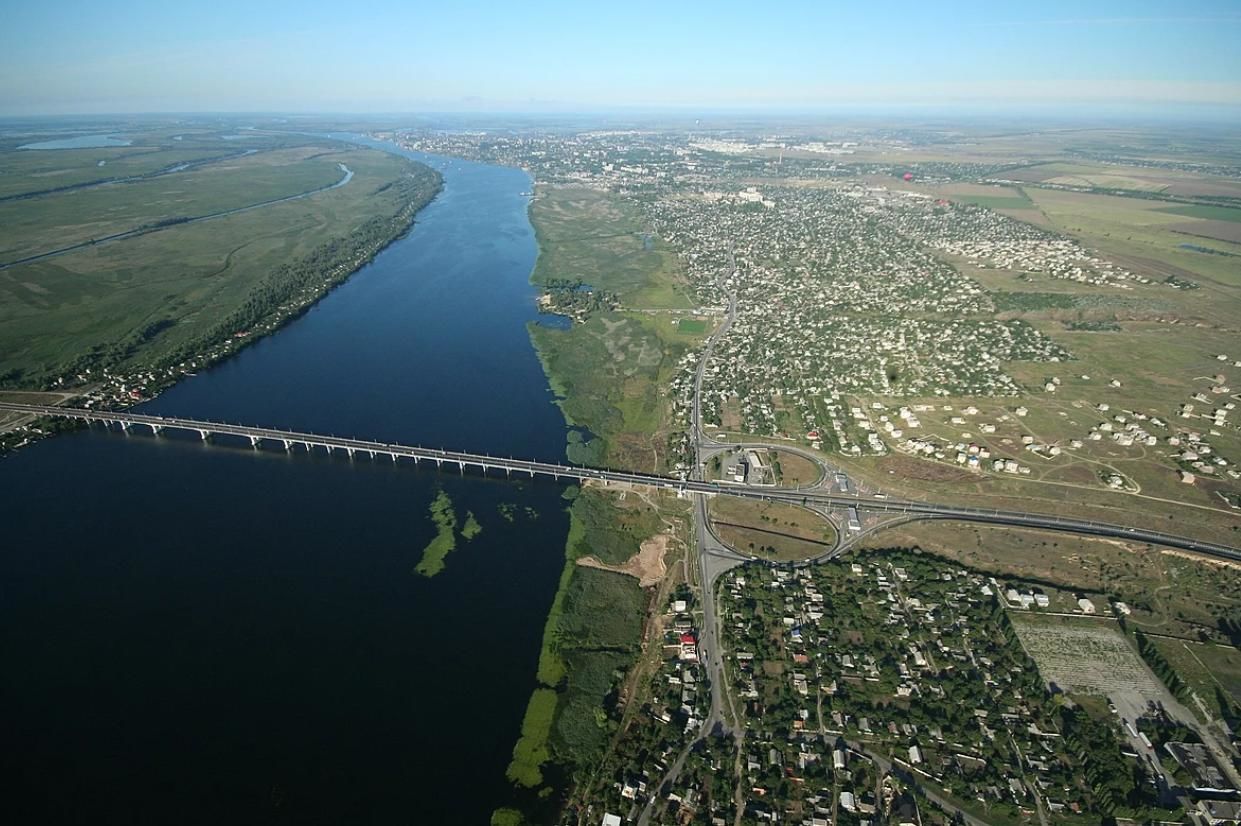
<point>198,633</point>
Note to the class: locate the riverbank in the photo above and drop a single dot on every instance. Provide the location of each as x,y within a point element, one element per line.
<point>613,369</point>
<point>280,296</point>
<point>193,247</point>
<point>611,372</point>
<point>591,640</point>
<point>282,658</point>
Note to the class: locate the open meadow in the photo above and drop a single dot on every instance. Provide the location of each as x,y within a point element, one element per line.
<point>170,290</point>
<point>770,530</point>
<point>612,370</point>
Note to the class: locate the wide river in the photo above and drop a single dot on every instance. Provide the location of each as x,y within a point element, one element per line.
<point>196,633</point>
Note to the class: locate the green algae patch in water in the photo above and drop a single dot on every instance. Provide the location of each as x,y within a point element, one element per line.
<point>438,549</point>
<point>471,528</point>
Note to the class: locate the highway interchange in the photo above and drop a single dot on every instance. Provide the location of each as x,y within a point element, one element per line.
<point>714,557</point>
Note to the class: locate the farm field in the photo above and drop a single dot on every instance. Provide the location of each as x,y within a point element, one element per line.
<point>1141,234</point>
<point>1085,655</point>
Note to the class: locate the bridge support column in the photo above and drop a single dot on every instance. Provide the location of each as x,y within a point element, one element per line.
<point>254,441</point>
<point>156,429</point>
<point>349,450</point>
<point>205,434</point>
<point>287,444</point>
<point>461,466</point>
<point>124,425</point>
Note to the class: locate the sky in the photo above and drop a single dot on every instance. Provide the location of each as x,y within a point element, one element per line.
<point>138,56</point>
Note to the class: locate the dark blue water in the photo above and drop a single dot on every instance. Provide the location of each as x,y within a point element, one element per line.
<point>198,633</point>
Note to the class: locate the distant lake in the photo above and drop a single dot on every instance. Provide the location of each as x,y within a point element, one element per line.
<point>79,142</point>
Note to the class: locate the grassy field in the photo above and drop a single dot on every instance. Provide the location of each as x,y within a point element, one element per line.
<point>793,470</point>
<point>611,372</point>
<point>140,299</point>
<point>1169,593</point>
<point>1212,672</point>
<point>603,240</point>
<point>37,225</point>
<point>1160,363</point>
<point>999,198</point>
<point>1211,213</point>
<point>770,530</point>
<point>25,172</point>
<point>1139,234</point>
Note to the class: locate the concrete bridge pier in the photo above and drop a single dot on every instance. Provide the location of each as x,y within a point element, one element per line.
<point>349,450</point>
<point>254,441</point>
<point>157,429</point>
<point>461,466</point>
<point>204,434</point>
<point>287,444</point>
<point>124,425</point>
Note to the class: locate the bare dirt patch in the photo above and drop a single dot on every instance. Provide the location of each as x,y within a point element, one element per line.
<point>647,565</point>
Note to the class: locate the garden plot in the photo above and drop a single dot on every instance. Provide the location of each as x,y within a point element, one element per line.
<point>1090,657</point>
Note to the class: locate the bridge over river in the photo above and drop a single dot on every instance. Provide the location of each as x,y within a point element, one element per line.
<point>290,439</point>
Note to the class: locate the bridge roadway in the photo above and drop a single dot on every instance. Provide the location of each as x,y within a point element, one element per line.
<point>462,460</point>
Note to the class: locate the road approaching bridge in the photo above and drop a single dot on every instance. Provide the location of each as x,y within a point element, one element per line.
<point>290,439</point>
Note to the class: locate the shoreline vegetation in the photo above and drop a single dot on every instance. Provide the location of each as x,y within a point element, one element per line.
<point>591,641</point>
<point>181,338</point>
<point>609,371</point>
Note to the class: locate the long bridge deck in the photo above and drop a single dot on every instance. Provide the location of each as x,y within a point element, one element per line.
<point>460,459</point>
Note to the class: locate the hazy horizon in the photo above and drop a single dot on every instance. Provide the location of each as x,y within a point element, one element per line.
<point>1146,59</point>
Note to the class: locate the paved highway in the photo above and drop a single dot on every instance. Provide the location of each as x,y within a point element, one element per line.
<point>463,459</point>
